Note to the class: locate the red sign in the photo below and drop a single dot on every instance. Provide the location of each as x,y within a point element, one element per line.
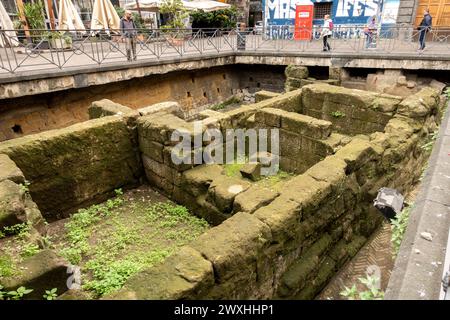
<point>303,21</point>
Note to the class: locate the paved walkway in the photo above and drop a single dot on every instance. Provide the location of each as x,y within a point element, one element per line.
<point>92,52</point>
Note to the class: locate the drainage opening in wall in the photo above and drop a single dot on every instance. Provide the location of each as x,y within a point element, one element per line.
<point>17,129</point>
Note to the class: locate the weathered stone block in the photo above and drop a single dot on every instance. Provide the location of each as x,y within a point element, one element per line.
<point>297,275</point>
<point>184,275</point>
<point>162,107</point>
<point>9,170</point>
<point>283,217</point>
<point>223,190</point>
<point>12,207</point>
<point>251,171</point>
<point>270,117</point>
<point>41,272</point>
<point>151,149</point>
<point>305,125</point>
<point>197,180</point>
<point>356,154</point>
<point>107,107</point>
<point>253,198</point>
<point>419,104</point>
<point>264,95</point>
<point>233,247</point>
<point>299,72</point>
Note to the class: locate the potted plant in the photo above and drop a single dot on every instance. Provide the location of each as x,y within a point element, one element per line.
<point>176,15</point>
<point>58,40</point>
<point>33,14</point>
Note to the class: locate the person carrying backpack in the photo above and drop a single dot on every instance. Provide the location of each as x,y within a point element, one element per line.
<point>424,27</point>
<point>327,31</point>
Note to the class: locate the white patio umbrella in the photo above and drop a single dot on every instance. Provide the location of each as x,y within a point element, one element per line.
<point>69,19</point>
<point>7,37</point>
<point>104,16</point>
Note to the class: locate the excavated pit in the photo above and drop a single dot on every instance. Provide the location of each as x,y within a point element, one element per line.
<point>214,230</point>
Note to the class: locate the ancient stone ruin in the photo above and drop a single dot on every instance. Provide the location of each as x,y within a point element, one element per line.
<point>281,236</point>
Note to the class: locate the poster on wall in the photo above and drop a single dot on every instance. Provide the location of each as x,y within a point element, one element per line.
<point>390,11</point>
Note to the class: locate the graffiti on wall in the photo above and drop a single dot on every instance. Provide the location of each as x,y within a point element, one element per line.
<point>357,8</point>
<point>280,12</point>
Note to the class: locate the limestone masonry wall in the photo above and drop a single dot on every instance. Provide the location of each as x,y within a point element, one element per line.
<point>283,242</point>
<point>291,246</point>
<point>67,167</point>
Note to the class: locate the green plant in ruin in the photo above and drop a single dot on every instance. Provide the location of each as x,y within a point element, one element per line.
<point>371,292</point>
<point>398,227</point>
<point>114,240</point>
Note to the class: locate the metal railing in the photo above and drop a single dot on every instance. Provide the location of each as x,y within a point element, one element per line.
<point>41,50</point>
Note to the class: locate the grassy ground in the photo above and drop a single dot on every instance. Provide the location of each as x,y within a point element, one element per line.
<point>113,240</point>
<point>272,182</point>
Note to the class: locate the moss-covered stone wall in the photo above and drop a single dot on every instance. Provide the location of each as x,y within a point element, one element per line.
<point>294,243</point>
<point>68,167</point>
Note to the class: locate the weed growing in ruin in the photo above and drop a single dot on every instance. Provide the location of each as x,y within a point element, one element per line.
<point>114,240</point>
<point>22,230</point>
<point>226,103</point>
<point>29,250</point>
<point>17,294</point>
<point>337,114</point>
<point>25,186</point>
<point>78,227</point>
<point>6,266</point>
<point>428,146</point>
<point>373,291</point>
<point>398,226</point>
<point>50,294</point>
<point>447,92</point>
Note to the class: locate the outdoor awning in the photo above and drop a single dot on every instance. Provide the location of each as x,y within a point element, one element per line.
<point>205,5</point>
<point>153,5</point>
<point>69,19</point>
<point>104,16</point>
<point>7,38</point>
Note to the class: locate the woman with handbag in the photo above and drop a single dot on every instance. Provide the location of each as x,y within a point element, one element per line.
<point>327,31</point>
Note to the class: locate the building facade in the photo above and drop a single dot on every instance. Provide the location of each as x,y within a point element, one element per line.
<point>358,12</point>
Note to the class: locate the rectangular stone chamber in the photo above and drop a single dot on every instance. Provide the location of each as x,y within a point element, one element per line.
<point>274,237</point>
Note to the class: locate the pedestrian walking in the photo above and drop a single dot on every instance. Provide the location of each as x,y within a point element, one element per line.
<point>370,31</point>
<point>128,31</point>
<point>327,32</point>
<point>424,27</point>
<point>241,36</point>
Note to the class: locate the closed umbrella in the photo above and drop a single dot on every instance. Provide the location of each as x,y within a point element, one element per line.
<point>7,37</point>
<point>104,16</point>
<point>69,19</point>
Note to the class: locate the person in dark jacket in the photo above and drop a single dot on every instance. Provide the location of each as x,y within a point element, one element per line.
<point>128,31</point>
<point>424,27</point>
